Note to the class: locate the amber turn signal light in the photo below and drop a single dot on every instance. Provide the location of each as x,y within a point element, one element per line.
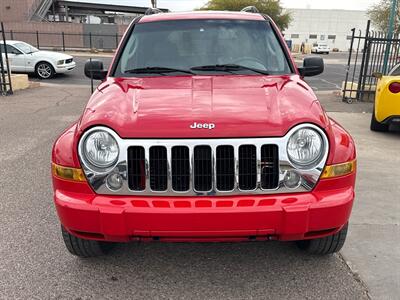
<point>67,173</point>
<point>339,169</point>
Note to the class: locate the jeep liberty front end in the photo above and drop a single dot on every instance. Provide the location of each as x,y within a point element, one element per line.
<point>203,129</point>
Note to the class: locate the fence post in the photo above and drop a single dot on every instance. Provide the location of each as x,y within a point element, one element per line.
<point>392,18</point>
<point>90,40</point>
<point>359,92</point>
<point>63,40</point>
<point>116,40</point>
<point>3,83</point>
<point>37,39</point>
<point>353,30</point>
<point>10,91</point>
<point>11,34</point>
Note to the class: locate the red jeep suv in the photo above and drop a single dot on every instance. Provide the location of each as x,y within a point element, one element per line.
<point>203,129</point>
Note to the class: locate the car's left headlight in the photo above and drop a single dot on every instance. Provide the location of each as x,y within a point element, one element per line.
<point>60,62</point>
<point>305,148</point>
<point>100,149</point>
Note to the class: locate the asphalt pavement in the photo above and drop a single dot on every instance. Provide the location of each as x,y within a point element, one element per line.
<point>34,263</point>
<point>331,79</point>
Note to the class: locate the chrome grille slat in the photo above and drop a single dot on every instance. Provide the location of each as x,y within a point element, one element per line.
<point>258,164</point>
<point>147,168</point>
<point>169,171</point>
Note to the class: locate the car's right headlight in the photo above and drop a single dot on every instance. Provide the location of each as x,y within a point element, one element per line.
<point>100,149</point>
<point>305,148</point>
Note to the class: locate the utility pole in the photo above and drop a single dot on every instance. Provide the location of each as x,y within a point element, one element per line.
<point>390,34</point>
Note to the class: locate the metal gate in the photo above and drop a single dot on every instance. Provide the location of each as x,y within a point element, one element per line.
<point>370,53</point>
<point>5,76</point>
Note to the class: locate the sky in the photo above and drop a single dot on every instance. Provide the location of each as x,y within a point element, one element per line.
<point>184,5</point>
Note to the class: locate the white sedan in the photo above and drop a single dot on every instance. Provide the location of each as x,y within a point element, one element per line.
<point>320,48</point>
<point>25,58</point>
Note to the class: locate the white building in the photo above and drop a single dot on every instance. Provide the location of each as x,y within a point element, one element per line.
<point>332,26</point>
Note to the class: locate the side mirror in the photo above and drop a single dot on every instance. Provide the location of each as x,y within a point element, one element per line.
<point>95,69</point>
<point>377,75</point>
<point>312,66</point>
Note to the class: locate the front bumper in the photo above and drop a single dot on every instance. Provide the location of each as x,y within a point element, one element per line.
<point>283,217</point>
<point>60,69</point>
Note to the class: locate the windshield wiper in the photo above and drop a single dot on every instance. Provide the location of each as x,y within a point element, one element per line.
<point>227,68</point>
<point>157,70</point>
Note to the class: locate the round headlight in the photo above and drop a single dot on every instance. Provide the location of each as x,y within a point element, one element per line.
<point>100,149</point>
<point>305,148</point>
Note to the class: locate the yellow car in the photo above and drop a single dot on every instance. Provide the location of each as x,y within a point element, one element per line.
<point>387,100</point>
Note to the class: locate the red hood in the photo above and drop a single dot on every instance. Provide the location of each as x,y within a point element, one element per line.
<point>239,106</point>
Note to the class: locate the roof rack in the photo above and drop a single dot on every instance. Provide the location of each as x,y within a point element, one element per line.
<point>251,9</point>
<point>153,11</point>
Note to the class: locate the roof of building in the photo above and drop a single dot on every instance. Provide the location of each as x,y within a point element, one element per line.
<point>106,7</point>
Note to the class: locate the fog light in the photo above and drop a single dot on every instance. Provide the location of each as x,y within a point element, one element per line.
<point>292,180</point>
<point>114,181</point>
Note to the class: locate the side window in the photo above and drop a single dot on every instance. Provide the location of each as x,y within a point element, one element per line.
<point>10,49</point>
<point>13,50</point>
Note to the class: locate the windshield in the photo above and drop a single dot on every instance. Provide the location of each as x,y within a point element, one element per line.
<point>185,45</point>
<point>26,48</point>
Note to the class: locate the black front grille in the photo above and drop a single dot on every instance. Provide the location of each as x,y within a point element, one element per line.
<point>180,167</point>
<point>158,168</point>
<point>269,167</point>
<point>202,168</point>
<point>225,159</point>
<point>247,167</point>
<point>68,61</point>
<point>136,168</point>
<point>225,170</point>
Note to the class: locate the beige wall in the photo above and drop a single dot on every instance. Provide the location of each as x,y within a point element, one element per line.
<point>50,34</point>
<point>15,10</point>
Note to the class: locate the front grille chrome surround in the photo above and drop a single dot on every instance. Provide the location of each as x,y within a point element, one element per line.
<point>257,176</point>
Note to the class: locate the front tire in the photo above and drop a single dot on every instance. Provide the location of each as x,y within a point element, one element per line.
<point>84,248</point>
<point>326,245</point>
<point>44,70</point>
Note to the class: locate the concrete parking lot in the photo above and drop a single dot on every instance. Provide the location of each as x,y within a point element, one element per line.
<point>35,265</point>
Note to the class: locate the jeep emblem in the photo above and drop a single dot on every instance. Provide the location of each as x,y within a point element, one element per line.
<point>196,125</point>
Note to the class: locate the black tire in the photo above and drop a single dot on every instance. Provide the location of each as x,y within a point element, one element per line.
<point>44,70</point>
<point>85,248</point>
<point>326,245</point>
<point>376,126</point>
